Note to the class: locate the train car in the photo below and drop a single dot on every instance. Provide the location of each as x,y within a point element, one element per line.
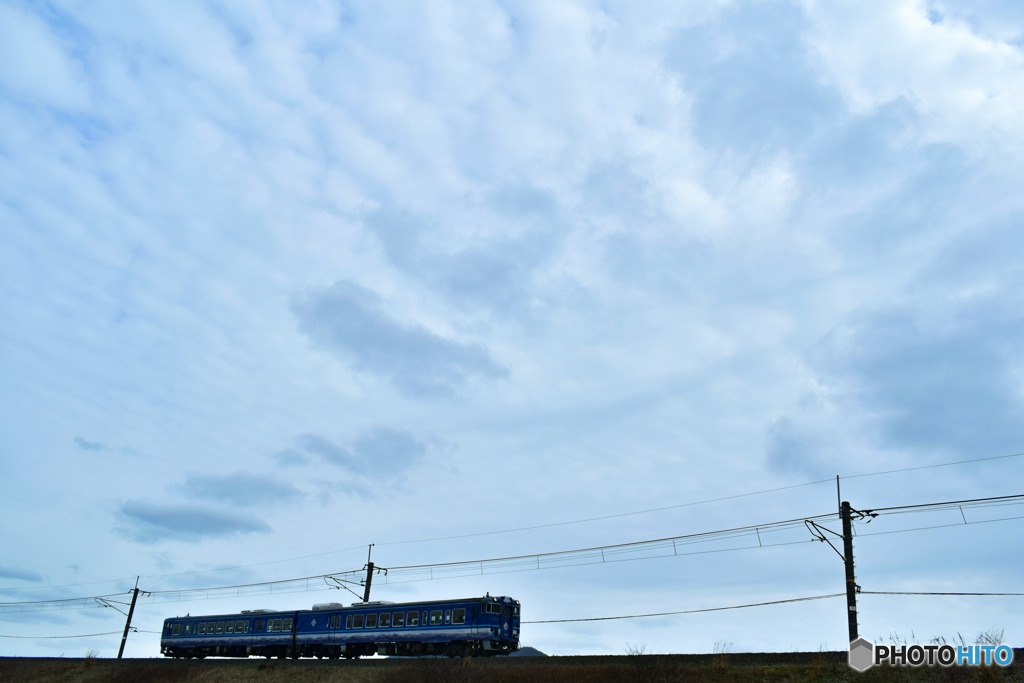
<point>465,627</point>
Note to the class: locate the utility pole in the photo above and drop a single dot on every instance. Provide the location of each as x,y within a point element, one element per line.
<point>851,585</point>
<point>369,574</point>
<point>128,623</point>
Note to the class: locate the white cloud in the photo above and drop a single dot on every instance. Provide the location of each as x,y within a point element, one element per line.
<point>38,64</point>
<point>967,86</point>
<point>578,258</point>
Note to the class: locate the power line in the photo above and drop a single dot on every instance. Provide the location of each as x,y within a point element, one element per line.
<point>936,593</point>
<point>971,502</point>
<point>536,526</point>
<point>614,516</point>
<point>87,635</point>
<point>929,467</point>
<point>661,547</point>
<point>636,550</point>
<point>689,611</point>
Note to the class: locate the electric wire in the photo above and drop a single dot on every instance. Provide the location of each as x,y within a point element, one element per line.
<point>937,593</point>
<point>533,527</point>
<point>688,611</point>
<point>590,555</point>
<point>86,635</point>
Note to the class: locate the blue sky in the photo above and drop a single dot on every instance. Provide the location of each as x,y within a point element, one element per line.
<point>282,281</point>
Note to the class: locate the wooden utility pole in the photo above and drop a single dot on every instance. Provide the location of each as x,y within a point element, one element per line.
<point>128,623</point>
<point>369,574</point>
<point>851,584</point>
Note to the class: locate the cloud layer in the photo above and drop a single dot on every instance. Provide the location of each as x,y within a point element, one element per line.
<point>353,322</point>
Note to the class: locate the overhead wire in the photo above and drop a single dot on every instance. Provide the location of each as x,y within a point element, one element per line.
<point>687,611</point>
<point>537,526</point>
<point>86,635</point>
<point>937,593</point>
<point>635,550</point>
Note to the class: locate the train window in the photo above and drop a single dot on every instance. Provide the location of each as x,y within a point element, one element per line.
<point>399,619</point>
<point>425,620</point>
<point>459,616</point>
<point>229,627</point>
<point>447,616</point>
<point>348,621</point>
<point>357,621</point>
<point>412,619</point>
<point>259,625</point>
<point>385,620</point>
<point>515,610</point>
<point>202,628</point>
<point>241,627</point>
<point>177,629</point>
<point>435,617</point>
<point>188,629</point>
<point>287,625</point>
<point>274,625</point>
<point>371,621</point>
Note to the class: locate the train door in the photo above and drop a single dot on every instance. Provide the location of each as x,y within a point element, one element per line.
<point>506,622</point>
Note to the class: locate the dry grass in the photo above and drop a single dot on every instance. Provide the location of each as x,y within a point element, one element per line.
<point>719,667</point>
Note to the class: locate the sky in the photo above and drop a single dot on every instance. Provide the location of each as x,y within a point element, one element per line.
<point>476,280</point>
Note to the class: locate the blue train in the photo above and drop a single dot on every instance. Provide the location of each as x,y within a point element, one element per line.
<point>456,628</point>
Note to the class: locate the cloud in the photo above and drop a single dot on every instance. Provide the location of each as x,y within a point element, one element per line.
<point>940,367</point>
<point>753,87</point>
<point>352,321</point>
<point>20,574</point>
<point>952,386</point>
<point>793,449</point>
<point>98,447</point>
<point>966,84</point>
<point>324,449</point>
<point>36,65</point>
<point>89,445</point>
<point>239,489</point>
<point>381,452</point>
<point>387,449</point>
<point>289,457</point>
<point>148,523</point>
<point>490,272</point>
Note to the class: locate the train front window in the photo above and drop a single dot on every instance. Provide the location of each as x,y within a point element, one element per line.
<point>177,629</point>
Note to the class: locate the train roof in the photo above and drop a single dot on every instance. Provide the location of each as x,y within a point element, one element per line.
<point>504,599</point>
